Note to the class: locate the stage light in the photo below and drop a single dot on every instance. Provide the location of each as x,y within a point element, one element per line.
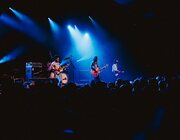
<point>12,55</point>
<point>11,22</point>
<point>91,19</point>
<point>20,15</point>
<point>93,22</point>
<point>69,27</point>
<point>29,26</point>
<point>54,26</point>
<point>81,43</point>
<point>86,35</point>
<point>76,28</point>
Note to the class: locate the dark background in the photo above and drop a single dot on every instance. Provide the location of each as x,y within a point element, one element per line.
<point>149,30</point>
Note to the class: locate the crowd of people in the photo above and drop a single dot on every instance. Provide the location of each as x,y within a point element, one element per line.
<point>54,108</point>
<point>139,109</point>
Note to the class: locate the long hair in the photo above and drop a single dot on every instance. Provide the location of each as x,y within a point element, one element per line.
<point>95,59</point>
<point>56,56</point>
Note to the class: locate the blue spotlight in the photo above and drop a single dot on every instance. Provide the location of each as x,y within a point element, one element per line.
<point>84,58</point>
<point>92,20</point>
<point>16,13</point>
<point>76,28</point>
<point>69,27</point>
<point>82,43</point>
<point>29,26</point>
<point>54,26</point>
<point>11,22</point>
<point>12,55</point>
<point>74,33</point>
<point>86,35</point>
<point>22,17</point>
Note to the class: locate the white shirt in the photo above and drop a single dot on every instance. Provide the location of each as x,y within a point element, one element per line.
<point>114,68</point>
<point>55,65</point>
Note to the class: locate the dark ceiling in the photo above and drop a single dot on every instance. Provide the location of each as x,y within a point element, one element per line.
<point>149,28</point>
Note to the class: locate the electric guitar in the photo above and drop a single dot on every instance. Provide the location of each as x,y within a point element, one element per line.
<point>61,68</point>
<point>98,71</point>
<point>116,73</point>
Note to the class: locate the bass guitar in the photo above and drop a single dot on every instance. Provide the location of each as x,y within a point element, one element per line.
<point>116,73</point>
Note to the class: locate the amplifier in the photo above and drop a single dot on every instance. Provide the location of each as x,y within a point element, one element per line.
<point>33,70</point>
<point>36,64</point>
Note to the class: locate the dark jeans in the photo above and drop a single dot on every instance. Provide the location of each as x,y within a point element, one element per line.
<point>114,78</point>
<point>97,79</point>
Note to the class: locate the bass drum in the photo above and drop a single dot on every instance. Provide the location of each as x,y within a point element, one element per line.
<point>64,78</point>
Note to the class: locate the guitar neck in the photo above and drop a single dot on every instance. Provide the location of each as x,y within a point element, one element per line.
<point>103,67</point>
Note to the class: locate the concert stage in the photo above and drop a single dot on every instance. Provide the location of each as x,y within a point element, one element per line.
<point>89,69</point>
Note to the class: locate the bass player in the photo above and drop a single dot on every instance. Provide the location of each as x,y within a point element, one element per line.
<point>115,70</point>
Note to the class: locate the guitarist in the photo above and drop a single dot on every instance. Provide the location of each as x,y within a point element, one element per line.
<point>95,68</point>
<point>115,70</point>
<point>54,68</point>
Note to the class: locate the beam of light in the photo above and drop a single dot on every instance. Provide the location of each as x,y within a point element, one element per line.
<point>66,60</point>
<point>83,58</point>
<point>29,27</point>
<point>69,27</point>
<point>21,16</point>
<point>99,31</point>
<point>54,26</point>
<point>55,30</point>
<point>93,22</point>
<point>83,48</point>
<point>11,22</point>
<point>86,35</point>
<point>12,55</point>
<point>75,35</point>
<point>76,28</point>
<point>86,41</point>
<point>81,42</point>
